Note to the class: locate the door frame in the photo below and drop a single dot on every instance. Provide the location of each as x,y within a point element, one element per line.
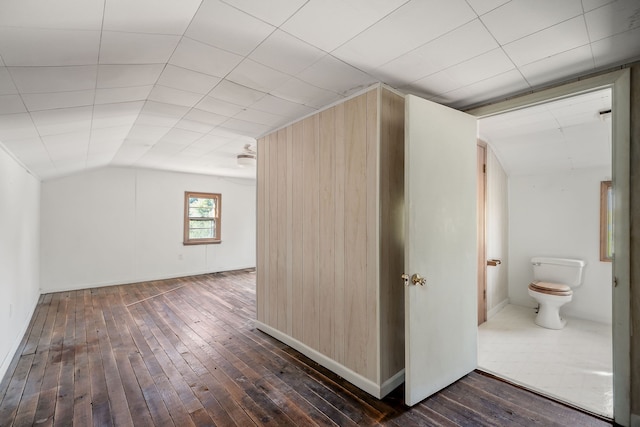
<point>482,231</point>
<point>619,83</point>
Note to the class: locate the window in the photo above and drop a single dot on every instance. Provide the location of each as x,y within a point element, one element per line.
<point>606,221</point>
<point>202,223</point>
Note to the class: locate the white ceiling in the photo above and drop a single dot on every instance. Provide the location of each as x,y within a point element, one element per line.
<point>553,137</point>
<point>185,84</point>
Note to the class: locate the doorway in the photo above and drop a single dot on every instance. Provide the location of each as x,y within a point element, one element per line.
<point>618,83</point>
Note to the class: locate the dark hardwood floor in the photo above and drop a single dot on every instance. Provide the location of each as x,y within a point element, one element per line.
<point>185,352</point>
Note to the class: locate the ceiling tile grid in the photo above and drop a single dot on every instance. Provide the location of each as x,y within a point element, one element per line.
<point>184,84</point>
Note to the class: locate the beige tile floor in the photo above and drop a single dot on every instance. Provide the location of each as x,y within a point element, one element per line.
<point>572,364</point>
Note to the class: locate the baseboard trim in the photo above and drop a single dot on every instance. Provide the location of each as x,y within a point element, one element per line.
<point>6,363</point>
<point>495,310</point>
<point>376,390</point>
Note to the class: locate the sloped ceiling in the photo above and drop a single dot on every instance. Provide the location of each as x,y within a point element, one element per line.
<point>184,84</point>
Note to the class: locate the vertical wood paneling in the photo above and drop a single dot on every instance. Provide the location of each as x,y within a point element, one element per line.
<point>339,265</point>
<point>260,224</point>
<point>355,231</point>
<point>273,226</point>
<point>373,237</point>
<point>327,237</point>
<point>267,229</point>
<point>391,234</point>
<point>297,230</point>
<point>289,231</point>
<point>310,233</point>
<point>325,233</point>
<point>283,303</point>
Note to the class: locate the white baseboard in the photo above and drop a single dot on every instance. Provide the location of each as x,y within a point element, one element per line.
<point>138,280</point>
<point>18,339</point>
<point>376,390</point>
<point>495,310</point>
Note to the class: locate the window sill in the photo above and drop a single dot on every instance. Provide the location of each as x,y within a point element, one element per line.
<point>207,242</point>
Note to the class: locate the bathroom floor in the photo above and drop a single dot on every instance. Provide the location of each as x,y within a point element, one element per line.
<point>572,364</point>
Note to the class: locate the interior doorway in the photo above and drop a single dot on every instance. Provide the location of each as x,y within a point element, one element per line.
<point>544,168</point>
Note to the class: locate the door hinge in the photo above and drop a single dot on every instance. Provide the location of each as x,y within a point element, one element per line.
<point>484,294</point>
<point>484,168</point>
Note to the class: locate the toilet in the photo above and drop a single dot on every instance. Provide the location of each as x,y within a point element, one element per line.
<point>554,281</point>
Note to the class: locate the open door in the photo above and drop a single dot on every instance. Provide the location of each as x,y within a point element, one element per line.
<point>440,245</point>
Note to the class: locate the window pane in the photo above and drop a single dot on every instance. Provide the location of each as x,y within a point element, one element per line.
<point>201,207</point>
<point>202,229</point>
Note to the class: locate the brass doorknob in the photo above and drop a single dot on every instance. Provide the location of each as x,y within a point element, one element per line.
<point>417,279</point>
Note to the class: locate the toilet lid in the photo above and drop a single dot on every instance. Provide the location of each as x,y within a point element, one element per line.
<point>551,288</point>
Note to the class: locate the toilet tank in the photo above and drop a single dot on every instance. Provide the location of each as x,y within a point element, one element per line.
<point>566,271</point>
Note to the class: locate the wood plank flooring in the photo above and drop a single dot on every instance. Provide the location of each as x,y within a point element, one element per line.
<point>184,352</point>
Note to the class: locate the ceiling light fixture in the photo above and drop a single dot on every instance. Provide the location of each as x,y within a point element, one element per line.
<point>248,157</point>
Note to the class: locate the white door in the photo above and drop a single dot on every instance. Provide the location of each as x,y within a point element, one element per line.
<point>440,245</point>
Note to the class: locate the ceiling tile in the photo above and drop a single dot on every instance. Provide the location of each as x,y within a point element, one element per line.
<point>332,74</point>
<point>11,104</point>
<point>236,93</point>
<point>483,6</point>
<point>60,14</point>
<point>49,101</point>
<point>197,56</point>
<point>275,12</point>
<point>228,28</point>
<point>498,86</point>
<point>39,47</point>
<point>189,80</point>
<point>286,53</point>
<point>481,67</point>
<point>54,79</point>
<point>617,49</point>
<point>174,96</point>
<point>127,154</point>
<point>161,114</point>
<point>262,117</point>
<point>149,16</point>
<point>519,18</point>
<point>146,135</point>
<point>6,83</point>
<point>548,42</point>
<point>180,137</point>
<point>613,18</point>
<point>347,20</point>
<point>136,48</point>
<point>106,142</point>
<point>205,117</point>
<point>219,106</point>
<point>114,76</point>
<point>245,128</point>
<point>282,107</point>
<point>116,115</point>
<point>257,76</point>
<point>29,151</point>
<point>405,29</point>
<point>67,145</point>
<point>127,94</point>
<point>589,5</point>
<point>471,39</point>
<point>63,120</point>
<point>558,66</point>
<point>17,126</point>
<point>300,92</point>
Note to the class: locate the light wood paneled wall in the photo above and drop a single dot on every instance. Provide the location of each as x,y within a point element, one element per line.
<point>329,247</point>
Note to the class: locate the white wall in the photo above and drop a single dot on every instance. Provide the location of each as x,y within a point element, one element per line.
<point>497,236</point>
<point>558,215</point>
<point>124,225</point>
<point>19,240</point>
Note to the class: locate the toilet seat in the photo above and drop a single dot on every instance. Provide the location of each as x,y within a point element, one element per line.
<point>551,288</point>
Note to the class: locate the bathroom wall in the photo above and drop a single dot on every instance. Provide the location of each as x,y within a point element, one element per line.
<point>558,215</point>
<point>497,236</point>
<point>123,225</point>
<point>19,240</point>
